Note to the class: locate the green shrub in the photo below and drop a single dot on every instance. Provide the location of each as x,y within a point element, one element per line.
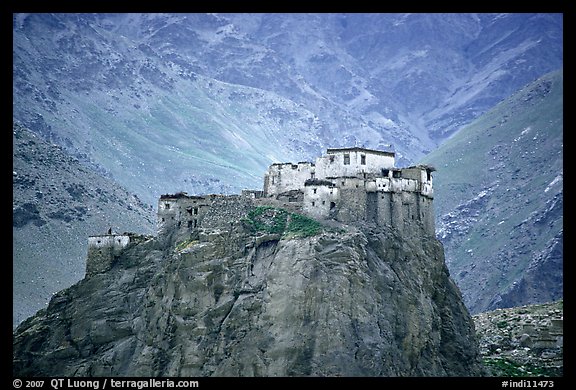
<point>502,324</point>
<point>506,367</point>
<point>302,226</point>
<point>267,219</point>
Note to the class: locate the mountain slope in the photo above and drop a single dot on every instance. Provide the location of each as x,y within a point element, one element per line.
<point>499,200</point>
<point>205,102</point>
<point>56,204</point>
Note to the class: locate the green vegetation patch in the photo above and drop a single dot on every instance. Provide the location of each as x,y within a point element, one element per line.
<point>502,324</point>
<point>268,219</point>
<point>507,367</point>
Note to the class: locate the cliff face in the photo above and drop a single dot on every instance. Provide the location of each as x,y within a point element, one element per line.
<point>347,301</point>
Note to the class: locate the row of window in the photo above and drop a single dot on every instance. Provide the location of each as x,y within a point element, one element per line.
<point>332,204</point>
<point>191,210</point>
<point>347,159</point>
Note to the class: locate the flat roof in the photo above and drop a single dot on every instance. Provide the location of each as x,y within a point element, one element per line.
<point>357,149</point>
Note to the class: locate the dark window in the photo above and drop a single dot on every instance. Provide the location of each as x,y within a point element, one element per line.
<point>314,190</point>
<point>363,159</point>
<point>346,159</point>
<point>312,175</point>
<point>195,210</point>
<point>323,202</point>
<point>396,174</point>
<point>190,224</point>
<point>167,206</point>
<point>332,205</point>
<point>313,203</point>
<point>385,172</point>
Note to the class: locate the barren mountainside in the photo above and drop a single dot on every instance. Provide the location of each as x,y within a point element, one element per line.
<point>205,102</point>
<point>56,203</point>
<point>499,200</point>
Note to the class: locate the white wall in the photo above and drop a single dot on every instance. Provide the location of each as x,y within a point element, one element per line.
<point>285,177</point>
<point>317,200</point>
<point>332,165</point>
<point>113,240</point>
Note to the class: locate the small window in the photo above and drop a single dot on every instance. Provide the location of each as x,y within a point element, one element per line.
<point>313,203</point>
<point>195,210</point>
<point>314,190</point>
<point>323,202</point>
<point>363,159</point>
<point>346,159</point>
<point>167,206</point>
<point>332,205</point>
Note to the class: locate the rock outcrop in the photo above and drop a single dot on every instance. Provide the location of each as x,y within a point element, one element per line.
<point>526,341</point>
<point>339,301</point>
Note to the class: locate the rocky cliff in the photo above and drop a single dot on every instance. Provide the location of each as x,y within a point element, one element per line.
<point>334,301</point>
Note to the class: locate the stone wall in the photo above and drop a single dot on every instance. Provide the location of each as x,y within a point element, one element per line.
<point>182,212</point>
<point>102,250</point>
<point>226,210</point>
